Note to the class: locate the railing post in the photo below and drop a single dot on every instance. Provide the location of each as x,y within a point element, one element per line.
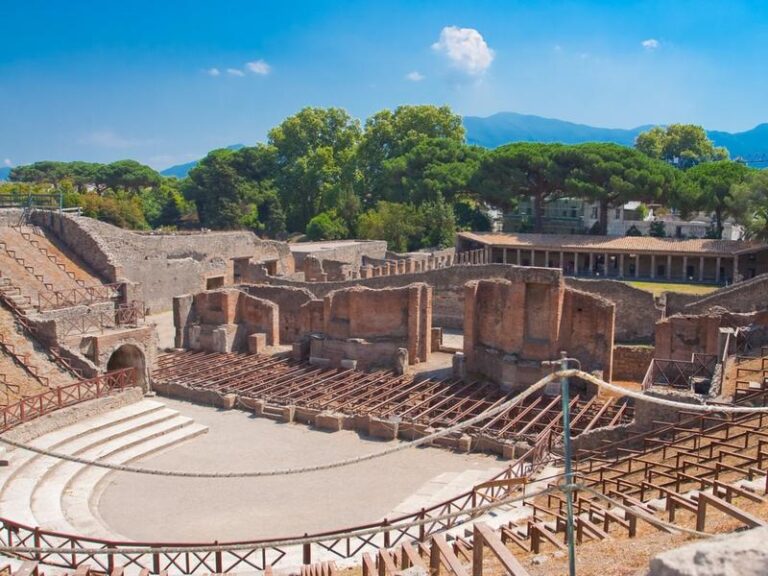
<point>219,563</point>
<point>306,551</point>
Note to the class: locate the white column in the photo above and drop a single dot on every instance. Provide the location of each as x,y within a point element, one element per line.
<point>621,265</point>
<point>669,266</point>
<point>701,269</point>
<point>637,265</point>
<point>685,267</point>
<point>653,266</point>
<point>718,263</point>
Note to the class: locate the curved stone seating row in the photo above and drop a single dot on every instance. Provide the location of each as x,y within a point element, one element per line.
<point>58,495</point>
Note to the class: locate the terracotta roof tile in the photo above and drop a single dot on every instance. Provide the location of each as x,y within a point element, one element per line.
<point>642,244</point>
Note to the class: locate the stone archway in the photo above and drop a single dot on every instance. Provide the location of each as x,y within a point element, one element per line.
<point>130,356</point>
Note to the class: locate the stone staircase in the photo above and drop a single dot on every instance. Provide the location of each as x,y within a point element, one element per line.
<point>54,494</point>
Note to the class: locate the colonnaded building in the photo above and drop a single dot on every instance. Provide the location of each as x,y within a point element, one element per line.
<point>199,403</point>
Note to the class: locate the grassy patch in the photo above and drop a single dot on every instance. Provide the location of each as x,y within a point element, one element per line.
<point>656,288</point>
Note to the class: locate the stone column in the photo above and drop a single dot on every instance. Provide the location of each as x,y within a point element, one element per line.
<point>621,265</point>
<point>591,263</point>
<point>669,266</point>
<point>653,266</point>
<point>637,265</point>
<point>562,260</point>
<point>701,269</point>
<point>735,268</point>
<point>533,257</point>
<point>504,255</point>
<point>685,268</point>
<point>718,263</point>
<point>519,257</point>
<point>546,258</point>
<point>606,265</point>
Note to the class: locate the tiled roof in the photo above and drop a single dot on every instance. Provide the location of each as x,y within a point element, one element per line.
<point>642,244</point>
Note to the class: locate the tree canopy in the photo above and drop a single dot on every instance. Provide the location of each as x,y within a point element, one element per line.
<point>684,145</point>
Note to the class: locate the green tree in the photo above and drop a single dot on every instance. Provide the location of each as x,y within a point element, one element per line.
<point>216,188</point>
<point>127,175</point>
<point>657,229</point>
<point>315,158</point>
<point>521,170</point>
<point>711,184</point>
<point>400,225</point>
<point>390,134</point>
<point>748,204</point>
<point>434,168</point>
<point>684,145</point>
<point>326,226</point>
<point>438,222</point>
<point>611,175</point>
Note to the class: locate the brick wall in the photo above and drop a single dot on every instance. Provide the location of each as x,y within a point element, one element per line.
<point>630,363</point>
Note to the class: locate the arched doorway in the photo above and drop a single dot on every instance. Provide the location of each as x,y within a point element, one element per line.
<point>130,356</point>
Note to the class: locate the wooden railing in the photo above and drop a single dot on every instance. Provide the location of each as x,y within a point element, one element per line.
<point>54,399</point>
<point>340,544</point>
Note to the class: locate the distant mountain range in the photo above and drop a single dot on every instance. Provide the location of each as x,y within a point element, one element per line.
<point>181,170</point>
<point>505,127</point>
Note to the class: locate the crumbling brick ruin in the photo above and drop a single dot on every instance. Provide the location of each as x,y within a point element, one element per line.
<point>375,327</point>
<point>512,325</point>
<point>226,320</point>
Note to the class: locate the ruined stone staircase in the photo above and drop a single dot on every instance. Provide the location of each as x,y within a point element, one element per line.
<point>42,491</point>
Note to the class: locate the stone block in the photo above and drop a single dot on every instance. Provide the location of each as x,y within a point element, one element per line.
<point>330,421</point>
<point>381,428</point>
<point>317,361</point>
<point>257,343</point>
<point>348,364</point>
<point>219,340</point>
<point>464,443</point>
<point>287,413</point>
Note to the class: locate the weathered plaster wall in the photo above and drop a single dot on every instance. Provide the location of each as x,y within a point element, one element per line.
<point>630,363</point>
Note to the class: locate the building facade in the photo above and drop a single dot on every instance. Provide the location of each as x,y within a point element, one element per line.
<point>630,257</point>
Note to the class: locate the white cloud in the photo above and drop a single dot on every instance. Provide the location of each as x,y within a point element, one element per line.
<point>465,48</point>
<point>650,44</point>
<point>235,72</point>
<point>110,139</point>
<point>213,72</point>
<point>259,67</point>
<point>414,76</point>
<point>7,162</point>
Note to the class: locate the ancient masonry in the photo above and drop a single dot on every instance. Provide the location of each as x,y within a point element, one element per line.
<point>347,335</point>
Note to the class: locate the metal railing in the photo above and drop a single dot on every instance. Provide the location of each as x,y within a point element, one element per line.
<point>260,554</point>
<point>51,400</point>
<point>679,373</point>
<point>55,299</point>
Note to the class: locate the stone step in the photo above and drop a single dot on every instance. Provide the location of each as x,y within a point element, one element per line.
<point>54,440</point>
<point>79,502</point>
<point>18,493</point>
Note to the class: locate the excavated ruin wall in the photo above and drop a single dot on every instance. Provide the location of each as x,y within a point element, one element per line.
<point>748,296</point>
<point>636,310</point>
<point>166,265</point>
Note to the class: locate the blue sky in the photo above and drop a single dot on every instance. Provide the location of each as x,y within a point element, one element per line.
<point>164,82</point>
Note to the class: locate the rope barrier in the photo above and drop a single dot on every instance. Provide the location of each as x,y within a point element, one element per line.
<point>474,511</point>
<point>290,471</point>
<point>704,408</point>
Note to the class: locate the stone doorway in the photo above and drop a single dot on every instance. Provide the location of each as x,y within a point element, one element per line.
<point>130,356</point>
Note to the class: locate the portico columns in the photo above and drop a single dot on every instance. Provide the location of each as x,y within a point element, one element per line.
<point>591,263</point>
<point>562,256</point>
<point>653,266</point>
<point>669,266</point>
<point>637,265</point>
<point>735,268</point>
<point>718,263</point>
<point>621,265</point>
<point>701,269</point>
<point>685,268</point>
<point>519,260</point>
